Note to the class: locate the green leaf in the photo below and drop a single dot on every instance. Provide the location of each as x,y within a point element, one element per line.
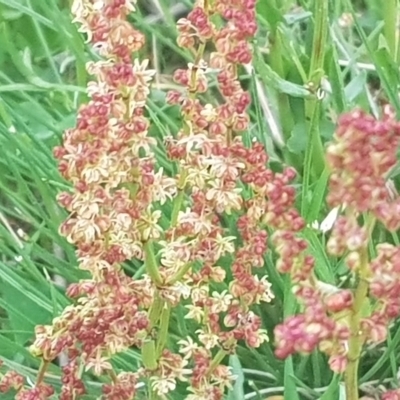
<point>290,391</point>
<point>298,140</point>
<point>317,201</point>
<point>270,13</point>
<point>272,79</point>
<point>355,87</point>
<point>237,393</point>
<point>332,392</point>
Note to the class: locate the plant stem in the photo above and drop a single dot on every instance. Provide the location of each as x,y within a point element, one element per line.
<point>390,28</point>
<point>149,355</point>
<point>321,21</point>
<point>357,338</point>
<point>356,342</point>
<point>163,331</point>
<point>178,201</point>
<point>180,274</point>
<point>216,361</point>
<point>155,311</point>
<point>286,119</point>
<point>151,262</point>
<point>276,62</point>
<point>42,370</point>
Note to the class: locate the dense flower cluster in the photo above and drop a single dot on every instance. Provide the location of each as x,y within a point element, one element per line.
<point>108,159</point>
<point>222,186</point>
<point>114,216</point>
<point>317,325</point>
<point>212,160</point>
<point>360,157</point>
<point>391,395</point>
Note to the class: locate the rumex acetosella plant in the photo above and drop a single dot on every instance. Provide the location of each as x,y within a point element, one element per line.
<point>340,321</point>
<point>116,208</point>
<point>115,212</point>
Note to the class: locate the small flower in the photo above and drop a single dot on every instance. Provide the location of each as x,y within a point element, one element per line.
<point>150,228</point>
<point>209,340</point>
<point>221,301</point>
<point>187,347</point>
<point>195,312</point>
<point>224,245</point>
<point>99,364</point>
<point>162,386</point>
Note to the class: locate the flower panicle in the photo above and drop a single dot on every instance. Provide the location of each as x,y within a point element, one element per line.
<point>212,160</point>
<point>108,158</point>
<point>361,157</point>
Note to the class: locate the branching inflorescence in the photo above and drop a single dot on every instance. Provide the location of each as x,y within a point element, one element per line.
<point>115,210</point>
<point>341,321</point>
<point>194,261</point>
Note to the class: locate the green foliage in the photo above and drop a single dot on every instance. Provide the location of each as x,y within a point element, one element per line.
<point>42,82</point>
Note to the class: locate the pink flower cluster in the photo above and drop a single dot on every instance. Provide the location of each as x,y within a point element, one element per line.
<point>361,157</point>
<point>114,211</point>
<point>108,159</point>
<point>212,160</point>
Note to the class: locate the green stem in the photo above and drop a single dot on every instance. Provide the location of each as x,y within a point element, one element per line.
<point>177,206</point>
<point>321,18</point>
<point>308,158</point>
<point>155,311</point>
<point>151,262</point>
<point>285,112</point>
<point>390,28</point>
<point>42,371</point>
<point>216,361</point>
<point>149,355</point>
<point>163,332</point>
<point>356,342</point>
<point>276,62</point>
<point>180,274</point>
<point>357,338</point>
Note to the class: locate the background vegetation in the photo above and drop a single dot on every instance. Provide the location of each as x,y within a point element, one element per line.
<point>42,82</point>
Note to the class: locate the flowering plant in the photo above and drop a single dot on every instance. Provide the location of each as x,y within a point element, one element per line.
<point>203,230</point>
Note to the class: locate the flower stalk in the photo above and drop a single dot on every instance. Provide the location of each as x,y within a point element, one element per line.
<point>337,321</point>
<point>321,27</point>
<point>117,199</point>
<point>357,338</point>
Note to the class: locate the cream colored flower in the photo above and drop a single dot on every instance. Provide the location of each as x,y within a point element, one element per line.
<point>162,385</point>
<point>226,199</point>
<point>209,340</point>
<point>201,224</point>
<point>209,112</point>
<point>224,244</point>
<point>123,222</point>
<point>196,313</point>
<point>224,167</point>
<point>198,177</point>
<point>98,364</point>
<point>221,301</point>
<point>175,255</point>
<point>150,228</point>
<point>163,187</point>
<point>85,231</point>
<point>187,347</point>
<point>174,293</point>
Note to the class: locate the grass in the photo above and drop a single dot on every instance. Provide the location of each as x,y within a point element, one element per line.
<point>299,50</point>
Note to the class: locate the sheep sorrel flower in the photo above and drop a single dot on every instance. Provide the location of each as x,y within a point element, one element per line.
<point>108,159</point>
<point>113,217</point>
<point>114,213</point>
<point>361,157</point>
